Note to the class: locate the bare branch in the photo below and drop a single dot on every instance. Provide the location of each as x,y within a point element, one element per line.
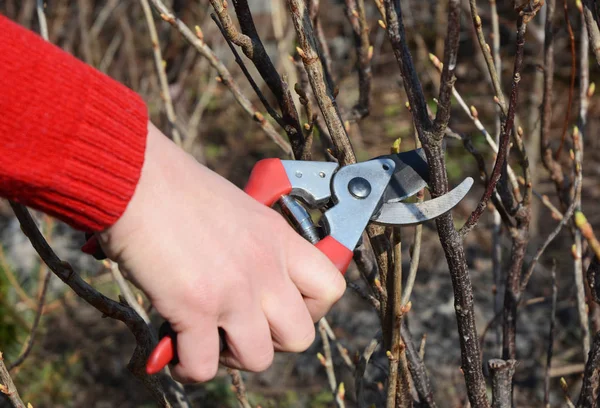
<point>361,367</point>
<point>355,11</point>
<point>7,387</point>
<point>590,390</point>
<point>551,333</point>
<point>324,96</point>
<point>145,338</point>
<point>162,76</point>
<point>254,49</point>
<point>36,322</point>
<point>551,165</point>
<point>239,387</point>
<point>224,75</point>
<point>417,368</point>
<point>502,373</point>
<point>592,27</point>
<point>327,362</point>
<point>507,127</point>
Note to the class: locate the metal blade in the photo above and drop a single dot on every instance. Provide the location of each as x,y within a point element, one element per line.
<point>410,175</point>
<point>417,213</point>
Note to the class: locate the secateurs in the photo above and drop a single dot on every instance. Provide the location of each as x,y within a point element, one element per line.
<point>351,197</point>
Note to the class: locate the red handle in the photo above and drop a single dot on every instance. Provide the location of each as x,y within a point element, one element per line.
<point>268,181</point>
<point>336,252</point>
<point>162,354</point>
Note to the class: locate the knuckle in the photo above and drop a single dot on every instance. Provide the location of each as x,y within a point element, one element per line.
<point>204,374</point>
<point>303,340</point>
<point>262,360</point>
<point>335,289</point>
<point>196,373</point>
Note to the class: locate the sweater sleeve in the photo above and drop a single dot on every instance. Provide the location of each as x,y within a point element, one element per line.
<point>72,140</point>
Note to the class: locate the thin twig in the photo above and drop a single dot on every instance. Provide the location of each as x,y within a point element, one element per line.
<point>415,256</point>
<point>36,322</point>
<point>551,333</point>
<point>553,167</point>
<point>239,388</point>
<point>126,291</point>
<point>253,48</point>
<point>160,70</point>
<point>342,350</point>
<point>355,10</point>
<point>224,74</point>
<point>571,83</point>
<point>507,127</point>
<point>7,386</point>
<point>565,219</point>
<point>145,338</point>
<point>361,367</point>
<point>241,64</point>
<point>308,52</point>
<point>327,361</point>
<point>592,27</point>
<point>417,368</point>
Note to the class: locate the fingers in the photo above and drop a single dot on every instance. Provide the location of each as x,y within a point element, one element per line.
<point>319,281</point>
<point>292,327</point>
<point>198,351</point>
<point>249,343</point>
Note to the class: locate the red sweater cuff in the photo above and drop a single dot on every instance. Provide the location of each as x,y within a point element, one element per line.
<point>72,139</point>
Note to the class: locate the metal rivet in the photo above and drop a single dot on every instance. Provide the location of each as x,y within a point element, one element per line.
<point>322,175</point>
<point>299,174</point>
<point>359,187</point>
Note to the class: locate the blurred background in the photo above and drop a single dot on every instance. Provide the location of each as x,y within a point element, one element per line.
<point>79,358</point>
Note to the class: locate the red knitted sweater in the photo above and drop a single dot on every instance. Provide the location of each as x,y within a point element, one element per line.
<point>72,140</point>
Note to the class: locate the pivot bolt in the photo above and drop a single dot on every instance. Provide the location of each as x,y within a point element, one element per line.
<point>359,187</point>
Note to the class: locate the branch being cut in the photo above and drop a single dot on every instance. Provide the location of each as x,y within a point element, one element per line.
<point>432,145</point>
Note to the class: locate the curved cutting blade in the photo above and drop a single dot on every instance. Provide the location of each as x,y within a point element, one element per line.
<point>411,174</point>
<point>409,214</point>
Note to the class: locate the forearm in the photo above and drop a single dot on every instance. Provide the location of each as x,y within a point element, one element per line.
<point>72,140</point>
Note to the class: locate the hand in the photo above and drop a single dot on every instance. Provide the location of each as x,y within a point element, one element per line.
<point>210,256</point>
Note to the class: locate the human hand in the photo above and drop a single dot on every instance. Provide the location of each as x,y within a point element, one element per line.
<point>210,256</point>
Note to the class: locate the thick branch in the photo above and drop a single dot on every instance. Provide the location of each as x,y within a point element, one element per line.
<point>449,237</point>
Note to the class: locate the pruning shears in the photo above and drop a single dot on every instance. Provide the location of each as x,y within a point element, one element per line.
<point>350,197</point>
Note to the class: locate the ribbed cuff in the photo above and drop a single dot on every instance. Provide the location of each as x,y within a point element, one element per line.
<point>104,158</point>
<point>72,140</point>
